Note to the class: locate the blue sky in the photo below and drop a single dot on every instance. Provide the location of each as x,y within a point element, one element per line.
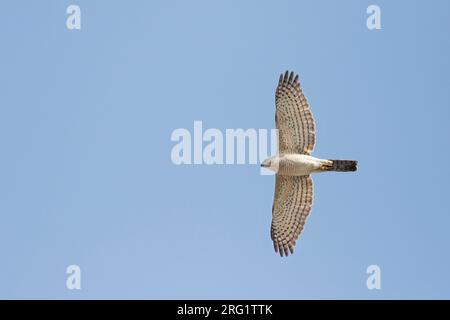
<point>86,176</point>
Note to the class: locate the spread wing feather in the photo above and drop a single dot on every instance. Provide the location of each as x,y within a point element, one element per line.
<point>291,207</point>
<point>294,120</point>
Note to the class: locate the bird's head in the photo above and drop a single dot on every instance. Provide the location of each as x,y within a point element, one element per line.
<point>272,163</point>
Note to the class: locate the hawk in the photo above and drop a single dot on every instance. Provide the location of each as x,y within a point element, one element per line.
<point>294,164</point>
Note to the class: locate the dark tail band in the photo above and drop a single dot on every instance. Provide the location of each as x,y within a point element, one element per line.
<point>344,165</point>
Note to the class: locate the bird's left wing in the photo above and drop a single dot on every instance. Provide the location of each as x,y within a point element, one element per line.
<point>294,120</point>
<point>291,207</point>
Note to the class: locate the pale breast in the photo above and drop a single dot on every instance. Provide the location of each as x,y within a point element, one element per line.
<point>298,165</point>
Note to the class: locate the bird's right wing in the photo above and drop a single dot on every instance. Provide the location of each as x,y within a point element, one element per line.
<point>294,120</point>
<point>291,207</point>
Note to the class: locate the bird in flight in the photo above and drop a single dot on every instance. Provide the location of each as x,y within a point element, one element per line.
<point>294,164</point>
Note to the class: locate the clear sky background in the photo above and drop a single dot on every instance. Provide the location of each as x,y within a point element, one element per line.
<point>86,176</point>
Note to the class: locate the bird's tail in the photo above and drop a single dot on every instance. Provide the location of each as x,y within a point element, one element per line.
<point>342,165</point>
